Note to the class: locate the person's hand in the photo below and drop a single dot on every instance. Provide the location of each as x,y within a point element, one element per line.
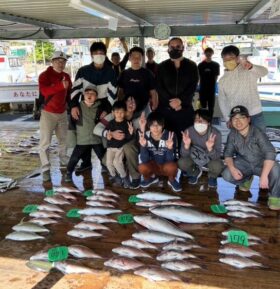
<point>65,83</point>
<point>169,143</point>
<point>210,142</point>
<point>142,122</point>
<point>109,135</point>
<point>246,64</point>
<point>175,103</point>
<point>75,113</point>
<point>236,174</point>
<point>186,139</point>
<point>142,139</point>
<point>130,127</point>
<point>264,182</point>
<point>103,114</point>
<point>118,134</point>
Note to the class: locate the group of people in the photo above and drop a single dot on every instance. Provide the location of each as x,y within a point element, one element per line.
<point>141,124</point>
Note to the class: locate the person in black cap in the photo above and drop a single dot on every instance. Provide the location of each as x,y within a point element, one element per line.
<point>255,155</point>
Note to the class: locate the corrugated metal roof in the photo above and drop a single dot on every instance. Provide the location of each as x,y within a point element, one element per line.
<point>174,13</point>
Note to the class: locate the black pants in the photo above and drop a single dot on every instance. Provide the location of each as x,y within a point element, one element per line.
<point>83,152</point>
<point>207,99</point>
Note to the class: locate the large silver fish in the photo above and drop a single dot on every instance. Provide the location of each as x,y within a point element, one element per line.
<point>66,190</point>
<point>179,246</point>
<point>185,215</point>
<point>240,262</point>
<point>139,244</point>
<point>80,251</point>
<point>173,255</point>
<point>250,236</point>
<point>242,215</point>
<point>99,219</point>
<point>99,204</point>
<point>179,265</point>
<point>80,233</point>
<point>41,266</point>
<point>69,268</point>
<point>57,200</point>
<point>243,209</point>
<point>42,221</point>
<point>148,204</point>
<point>123,263</point>
<point>91,226</point>
<point>44,214</point>
<point>101,198</point>
<point>154,236</point>
<point>131,252</point>
<point>98,211</point>
<point>161,225</point>
<point>23,236</point>
<point>50,207</point>
<point>29,227</point>
<point>239,203</point>
<point>242,251</point>
<point>176,203</point>
<point>156,274</point>
<point>156,196</point>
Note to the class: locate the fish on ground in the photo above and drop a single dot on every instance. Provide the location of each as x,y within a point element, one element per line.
<point>106,193</point>
<point>126,251</point>
<point>174,255</point>
<point>250,243</point>
<point>66,190</point>
<point>179,246</point>
<point>38,265</point>
<point>240,262</point>
<point>122,263</point>
<point>139,244</point>
<point>57,200</point>
<point>50,207</point>
<point>91,226</point>
<point>155,223</point>
<point>30,227</point>
<point>250,236</point>
<point>99,204</point>
<point>242,251</point>
<point>243,209</point>
<point>185,215</point>
<point>179,265</point>
<point>44,214</point>
<point>98,211</point>
<point>155,237</point>
<point>156,196</point>
<point>80,251</point>
<point>42,221</point>
<point>80,233</point>
<point>41,255</point>
<point>101,198</point>
<point>68,268</point>
<point>23,236</point>
<point>99,219</point>
<point>154,273</point>
<point>239,203</point>
<point>242,215</point>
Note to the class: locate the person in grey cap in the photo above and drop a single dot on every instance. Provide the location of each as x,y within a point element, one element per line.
<point>54,86</point>
<point>89,113</point>
<point>254,155</point>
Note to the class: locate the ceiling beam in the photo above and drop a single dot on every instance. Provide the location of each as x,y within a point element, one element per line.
<point>30,21</point>
<point>256,11</point>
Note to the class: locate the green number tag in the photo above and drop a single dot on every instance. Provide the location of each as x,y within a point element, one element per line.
<point>218,209</point>
<point>30,208</point>
<point>238,237</point>
<point>134,199</point>
<point>73,213</point>
<point>88,193</point>
<point>58,254</point>
<point>49,193</point>
<point>125,219</point>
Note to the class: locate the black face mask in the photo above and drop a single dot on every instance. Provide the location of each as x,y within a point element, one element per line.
<point>175,53</point>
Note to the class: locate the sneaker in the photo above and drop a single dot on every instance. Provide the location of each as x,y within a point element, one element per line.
<point>274,203</point>
<point>46,176</point>
<point>135,184</point>
<point>175,186</point>
<point>81,169</point>
<point>116,181</point>
<point>104,169</point>
<point>149,182</point>
<point>68,177</point>
<point>194,179</point>
<point>126,182</point>
<point>246,186</point>
<point>212,183</point>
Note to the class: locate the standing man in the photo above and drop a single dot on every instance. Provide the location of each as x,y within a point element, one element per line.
<point>104,78</point>
<point>55,86</point>
<point>238,86</point>
<point>177,80</point>
<point>209,71</point>
<point>151,64</point>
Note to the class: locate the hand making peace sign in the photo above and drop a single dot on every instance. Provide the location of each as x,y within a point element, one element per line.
<point>169,143</point>
<point>210,142</point>
<point>130,127</point>
<point>142,139</point>
<point>186,139</point>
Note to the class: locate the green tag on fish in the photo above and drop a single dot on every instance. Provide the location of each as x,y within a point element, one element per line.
<point>88,193</point>
<point>58,254</point>
<point>30,208</point>
<point>125,219</point>
<point>238,237</point>
<point>49,193</point>
<point>73,213</point>
<point>134,199</point>
<point>218,209</point>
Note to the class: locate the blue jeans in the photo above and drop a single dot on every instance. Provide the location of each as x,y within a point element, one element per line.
<point>249,170</point>
<point>257,120</point>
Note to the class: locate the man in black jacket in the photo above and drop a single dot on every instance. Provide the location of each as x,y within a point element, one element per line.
<point>177,81</point>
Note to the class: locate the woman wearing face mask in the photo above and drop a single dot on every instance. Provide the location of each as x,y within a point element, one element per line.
<point>201,147</point>
<point>238,86</point>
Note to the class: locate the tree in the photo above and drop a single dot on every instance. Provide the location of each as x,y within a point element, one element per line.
<point>48,48</point>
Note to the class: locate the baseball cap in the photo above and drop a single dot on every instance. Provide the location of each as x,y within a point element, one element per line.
<point>239,109</point>
<point>91,87</point>
<point>59,54</point>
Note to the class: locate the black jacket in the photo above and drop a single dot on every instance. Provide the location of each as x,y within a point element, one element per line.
<point>177,83</point>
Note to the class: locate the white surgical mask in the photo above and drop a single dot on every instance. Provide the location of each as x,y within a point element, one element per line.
<point>98,59</point>
<point>200,127</point>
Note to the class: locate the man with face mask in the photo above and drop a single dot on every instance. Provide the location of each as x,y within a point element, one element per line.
<point>177,79</point>
<point>201,147</point>
<point>104,78</point>
<point>238,86</point>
